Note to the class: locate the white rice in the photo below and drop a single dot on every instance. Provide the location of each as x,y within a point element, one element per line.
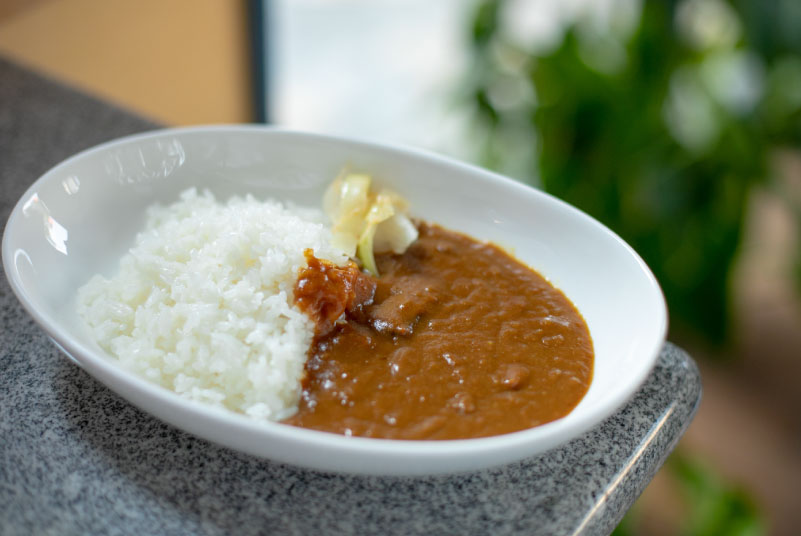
<point>203,302</point>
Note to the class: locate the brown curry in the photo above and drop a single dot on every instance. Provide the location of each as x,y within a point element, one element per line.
<point>456,339</point>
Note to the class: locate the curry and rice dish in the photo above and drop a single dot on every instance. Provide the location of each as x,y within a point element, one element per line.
<point>374,325</point>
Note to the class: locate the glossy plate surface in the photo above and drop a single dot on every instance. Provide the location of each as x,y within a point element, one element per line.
<point>80,217</point>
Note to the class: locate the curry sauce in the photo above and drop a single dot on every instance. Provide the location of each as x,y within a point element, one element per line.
<point>456,339</point>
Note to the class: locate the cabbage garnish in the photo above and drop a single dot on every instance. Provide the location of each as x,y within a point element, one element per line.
<point>365,223</point>
<point>346,204</point>
<point>382,209</point>
<point>394,234</point>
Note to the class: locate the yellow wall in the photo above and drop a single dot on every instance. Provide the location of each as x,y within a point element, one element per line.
<point>176,61</point>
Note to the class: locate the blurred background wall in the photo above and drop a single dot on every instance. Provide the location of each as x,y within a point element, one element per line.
<point>175,61</point>
<point>691,110</point>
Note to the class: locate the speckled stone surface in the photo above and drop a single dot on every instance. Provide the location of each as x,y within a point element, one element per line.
<point>77,459</point>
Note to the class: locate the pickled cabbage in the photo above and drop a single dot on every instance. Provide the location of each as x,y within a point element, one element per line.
<point>365,223</point>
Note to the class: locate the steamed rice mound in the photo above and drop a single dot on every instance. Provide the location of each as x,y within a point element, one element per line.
<point>203,302</point>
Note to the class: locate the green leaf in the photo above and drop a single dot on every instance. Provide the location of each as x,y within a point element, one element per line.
<point>485,22</point>
<point>715,506</point>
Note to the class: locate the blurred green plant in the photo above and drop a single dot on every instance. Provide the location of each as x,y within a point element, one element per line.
<point>659,122</point>
<point>714,507</point>
<point>718,507</point>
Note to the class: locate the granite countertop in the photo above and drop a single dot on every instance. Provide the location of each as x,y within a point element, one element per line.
<point>77,459</point>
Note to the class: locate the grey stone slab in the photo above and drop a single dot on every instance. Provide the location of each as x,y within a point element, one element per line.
<point>77,459</point>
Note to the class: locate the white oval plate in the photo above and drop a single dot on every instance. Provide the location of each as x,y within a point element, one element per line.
<point>81,216</point>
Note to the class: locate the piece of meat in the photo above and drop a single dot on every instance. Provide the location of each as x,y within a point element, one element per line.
<point>409,297</point>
